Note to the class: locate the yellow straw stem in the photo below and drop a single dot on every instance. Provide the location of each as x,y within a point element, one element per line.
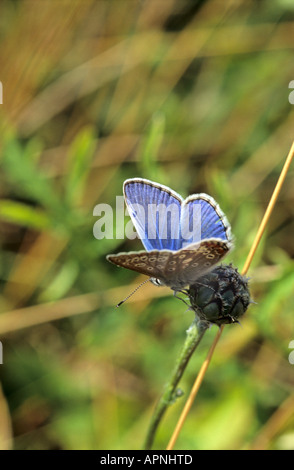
<point>269,210</point>
<point>248,261</point>
<point>193,392</point>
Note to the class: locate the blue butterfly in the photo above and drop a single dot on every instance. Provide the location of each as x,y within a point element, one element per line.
<point>184,239</point>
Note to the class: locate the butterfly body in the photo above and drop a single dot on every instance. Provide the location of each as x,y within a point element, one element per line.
<point>184,239</point>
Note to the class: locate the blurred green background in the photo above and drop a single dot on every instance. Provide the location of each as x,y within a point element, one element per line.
<point>191,94</point>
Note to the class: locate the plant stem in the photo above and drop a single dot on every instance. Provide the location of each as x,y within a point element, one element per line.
<point>194,335</point>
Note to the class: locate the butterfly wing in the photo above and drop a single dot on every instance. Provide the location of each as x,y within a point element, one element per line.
<point>195,260</point>
<point>155,211</point>
<point>175,269</point>
<point>203,219</point>
<point>152,263</point>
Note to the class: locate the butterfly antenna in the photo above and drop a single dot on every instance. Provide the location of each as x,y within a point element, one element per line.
<point>138,287</point>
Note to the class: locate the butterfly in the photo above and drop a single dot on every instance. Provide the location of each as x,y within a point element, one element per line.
<point>183,238</point>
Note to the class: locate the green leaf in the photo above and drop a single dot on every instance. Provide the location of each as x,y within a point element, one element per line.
<point>27,179</point>
<point>22,214</point>
<point>61,283</point>
<point>150,146</point>
<point>79,159</point>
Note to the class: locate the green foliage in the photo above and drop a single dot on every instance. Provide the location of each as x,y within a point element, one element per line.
<point>79,165</point>
<point>148,153</point>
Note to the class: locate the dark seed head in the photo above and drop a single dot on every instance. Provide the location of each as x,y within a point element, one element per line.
<point>220,296</point>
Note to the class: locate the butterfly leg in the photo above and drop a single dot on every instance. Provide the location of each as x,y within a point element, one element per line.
<point>180,298</point>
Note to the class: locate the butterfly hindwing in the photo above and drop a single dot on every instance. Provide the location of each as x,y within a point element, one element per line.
<point>196,260</point>
<point>175,269</point>
<point>212,222</point>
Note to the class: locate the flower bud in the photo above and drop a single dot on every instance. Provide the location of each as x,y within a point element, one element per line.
<point>220,296</point>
